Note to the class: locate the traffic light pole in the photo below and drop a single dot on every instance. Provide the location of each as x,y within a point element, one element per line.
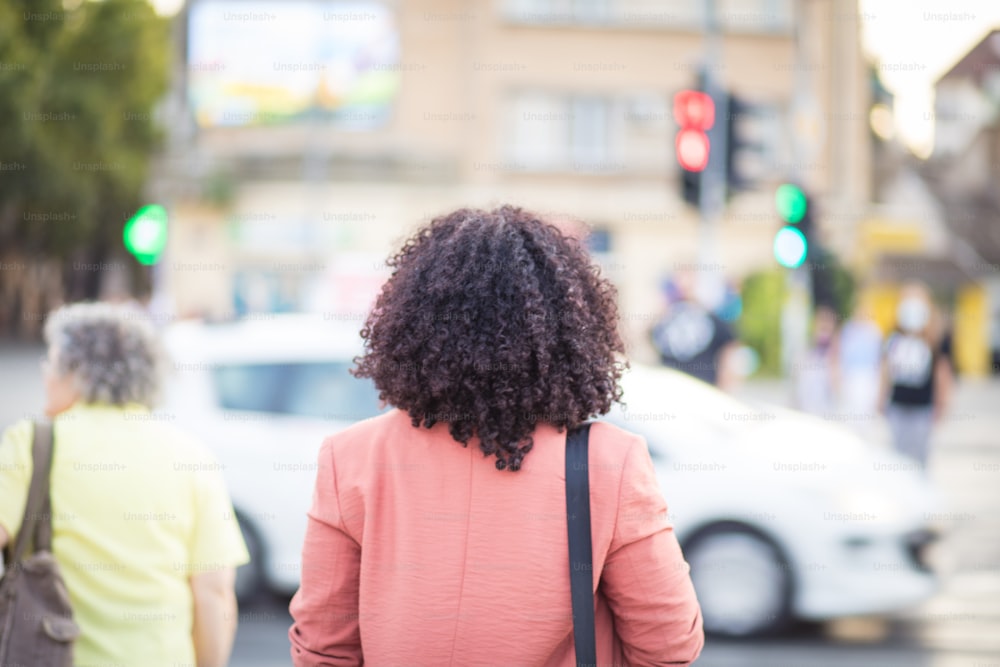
<point>713,179</point>
<point>798,304</point>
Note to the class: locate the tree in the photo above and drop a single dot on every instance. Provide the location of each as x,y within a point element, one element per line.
<point>759,325</point>
<point>78,91</point>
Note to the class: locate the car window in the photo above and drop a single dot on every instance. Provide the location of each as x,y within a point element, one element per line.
<point>656,451</point>
<point>323,390</point>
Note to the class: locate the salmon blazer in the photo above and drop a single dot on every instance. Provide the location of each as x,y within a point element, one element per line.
<point>419,551</point>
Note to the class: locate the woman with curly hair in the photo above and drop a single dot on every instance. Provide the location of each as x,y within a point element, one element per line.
<point>437,534</point>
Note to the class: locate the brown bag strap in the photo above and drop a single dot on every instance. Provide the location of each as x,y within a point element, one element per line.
<point>37,523</point>
<point>43,459</point>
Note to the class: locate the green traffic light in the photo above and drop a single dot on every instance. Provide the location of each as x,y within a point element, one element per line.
<point>790,247</point>
<point>145,233</point>
<point>791,203</point>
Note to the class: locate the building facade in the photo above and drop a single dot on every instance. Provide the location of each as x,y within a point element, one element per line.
<point>562,106</point>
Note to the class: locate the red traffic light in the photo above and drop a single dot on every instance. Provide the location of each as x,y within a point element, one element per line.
<point>694,109</point>
<point>692,150</point>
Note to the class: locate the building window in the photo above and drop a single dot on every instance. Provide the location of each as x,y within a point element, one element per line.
<point>629,134</point>
<point>589,133</point>
<point>538,129</point>
<point>586,133</point>
<point>556,11</point>
<point>760,16</point>
<point>733,15</point>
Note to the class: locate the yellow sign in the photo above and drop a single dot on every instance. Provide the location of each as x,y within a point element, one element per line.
<point>877,236</point>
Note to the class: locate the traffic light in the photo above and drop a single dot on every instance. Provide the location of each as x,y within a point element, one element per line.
<point>792,242</point>
<point>823,268</point>
<point>743,149</point>
<point>790,247</point>
<point>694,112</point>
<point>791,203</point>
<point>145,233</point>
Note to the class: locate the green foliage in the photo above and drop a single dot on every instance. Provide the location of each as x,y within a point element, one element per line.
<point>764,295</point>
<point>78,88</point>
<point>219,189</point>
<point>759,325</point>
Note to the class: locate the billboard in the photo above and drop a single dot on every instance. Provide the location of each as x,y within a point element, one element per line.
<point>254,62</point>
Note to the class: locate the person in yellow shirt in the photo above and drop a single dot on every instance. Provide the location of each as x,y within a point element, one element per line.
<point>143,527</point>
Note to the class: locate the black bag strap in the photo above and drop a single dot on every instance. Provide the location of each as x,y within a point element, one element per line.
<point>581,555</point>
<point>36,526</point>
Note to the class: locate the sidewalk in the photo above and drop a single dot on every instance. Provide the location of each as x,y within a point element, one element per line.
<point>974,414</point>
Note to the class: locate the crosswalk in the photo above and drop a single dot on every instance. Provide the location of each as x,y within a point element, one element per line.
<point>965,615</point>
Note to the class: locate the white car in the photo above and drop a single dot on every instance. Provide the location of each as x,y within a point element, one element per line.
<point>263,394</point>
<point>780,515</point>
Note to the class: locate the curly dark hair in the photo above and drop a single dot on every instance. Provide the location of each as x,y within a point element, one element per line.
<point>494,321</point>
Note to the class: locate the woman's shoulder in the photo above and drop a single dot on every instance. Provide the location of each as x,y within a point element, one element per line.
<point>363,435</point>
<point>613,437</point>
<point>375,443</point>
<point>390,420</point>
<point>611,446</point>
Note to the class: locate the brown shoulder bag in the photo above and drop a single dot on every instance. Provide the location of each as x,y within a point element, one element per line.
<point>36,620</point>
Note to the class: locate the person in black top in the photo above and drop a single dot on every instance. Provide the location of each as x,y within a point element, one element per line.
<point>916,374</point>
<point>694,340</point>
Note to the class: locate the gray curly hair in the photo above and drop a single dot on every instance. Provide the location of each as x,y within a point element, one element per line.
<point>110,352</point>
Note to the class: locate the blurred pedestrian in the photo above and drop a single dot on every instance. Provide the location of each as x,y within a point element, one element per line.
<point>694,340</point>
<point>142,524</point>
<point>916,374</point>
<point>438,530</point>
<point>815,375</point>
<point>860,366</point>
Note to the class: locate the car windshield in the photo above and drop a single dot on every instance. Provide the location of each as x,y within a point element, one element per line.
<point>323,390</point>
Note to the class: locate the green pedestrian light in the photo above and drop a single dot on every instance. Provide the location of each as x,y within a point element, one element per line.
<point>791,203</point>
<point>790,247</point>
<point>145,233</point>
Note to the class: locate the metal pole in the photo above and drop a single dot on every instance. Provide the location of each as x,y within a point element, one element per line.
<point>164,186</point>
<point>798,303</point>
<point>713,178</point>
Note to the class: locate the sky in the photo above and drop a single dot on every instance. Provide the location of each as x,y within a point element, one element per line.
<point>917,41</point>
